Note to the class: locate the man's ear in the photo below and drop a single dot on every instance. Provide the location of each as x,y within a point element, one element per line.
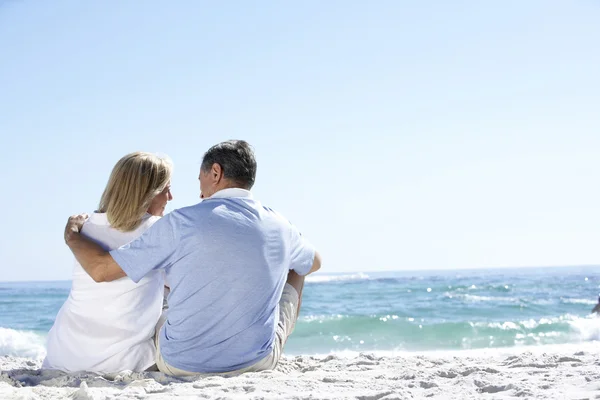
<point>217,172</point>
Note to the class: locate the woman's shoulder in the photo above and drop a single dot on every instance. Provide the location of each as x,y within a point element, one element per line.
<point>97,218</point>
<point>96,222</point>
<point>98,227</point>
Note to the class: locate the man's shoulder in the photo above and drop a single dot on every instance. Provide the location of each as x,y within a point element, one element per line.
<point>204,209</point>
<point>187,210</point>
<point>195,212</point>
<point>276,215</point>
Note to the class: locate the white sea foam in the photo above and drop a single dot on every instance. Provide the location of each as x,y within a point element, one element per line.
<point>505,326</point>
<point>336,278</point>
<point>574,321</point>
<point>21,344</point>
<point>468,352</point>
<point>580,301</point>
<point>586,329</point>
<point>322,318</point>
<point>476,299</point>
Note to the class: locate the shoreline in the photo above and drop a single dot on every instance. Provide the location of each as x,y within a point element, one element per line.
<point>570,371</point>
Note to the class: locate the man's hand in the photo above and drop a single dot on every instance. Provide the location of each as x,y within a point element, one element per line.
<point>74,225</point>
<point>96,261</point>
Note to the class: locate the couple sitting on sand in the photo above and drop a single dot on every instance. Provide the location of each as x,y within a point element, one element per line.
<point>235,269</point>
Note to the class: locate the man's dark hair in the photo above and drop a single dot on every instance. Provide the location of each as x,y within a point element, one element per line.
<point>236,158</point>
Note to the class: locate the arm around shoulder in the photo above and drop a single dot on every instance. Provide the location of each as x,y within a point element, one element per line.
<point>97,262</point>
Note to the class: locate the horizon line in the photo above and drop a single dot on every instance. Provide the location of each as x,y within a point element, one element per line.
<point>386,270</point>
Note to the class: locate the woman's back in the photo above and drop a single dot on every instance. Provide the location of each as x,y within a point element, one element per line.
<point>107,327</point>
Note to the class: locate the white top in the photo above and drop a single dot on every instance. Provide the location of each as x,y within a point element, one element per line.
<point>109,326</point>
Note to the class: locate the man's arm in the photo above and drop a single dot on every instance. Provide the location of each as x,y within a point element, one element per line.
<point>316,263</point>
<point>97,262</point>
<point>304,259</point>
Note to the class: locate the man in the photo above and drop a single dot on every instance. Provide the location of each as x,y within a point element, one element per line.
<point>226,259</point>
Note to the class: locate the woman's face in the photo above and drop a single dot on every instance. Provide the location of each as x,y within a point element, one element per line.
<point>157,207</point>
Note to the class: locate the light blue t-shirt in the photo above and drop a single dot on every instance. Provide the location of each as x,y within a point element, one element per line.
<point>226,260</point>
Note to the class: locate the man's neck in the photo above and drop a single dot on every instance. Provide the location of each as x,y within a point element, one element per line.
<point>231,192</point>
<point>227,184</point>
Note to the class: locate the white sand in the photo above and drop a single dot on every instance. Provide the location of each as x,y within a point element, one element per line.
<point>558,372</point>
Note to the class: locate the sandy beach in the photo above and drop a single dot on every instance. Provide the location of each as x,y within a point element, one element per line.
<point>547,372</point>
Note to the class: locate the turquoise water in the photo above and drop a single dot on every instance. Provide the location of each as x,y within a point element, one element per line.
<point>391,311</point>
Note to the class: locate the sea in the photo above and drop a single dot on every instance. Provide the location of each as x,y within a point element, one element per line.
<point>401,311</point>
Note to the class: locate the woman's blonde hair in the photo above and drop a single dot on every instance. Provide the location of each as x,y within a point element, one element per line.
<point>134,181</point>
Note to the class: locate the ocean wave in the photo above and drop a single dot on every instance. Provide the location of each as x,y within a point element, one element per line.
<point>487,351</point>
<point>579,301</point>
<point>336,278</point>
<point>476,298</point>
<point>526,325</point>
<point>473,297</point>
<point>586,329</point>
<point>22,344</point>
<point>394,332</point>
<point>322,318</point>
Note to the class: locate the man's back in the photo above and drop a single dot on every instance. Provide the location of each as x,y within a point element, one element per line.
<point>223,301</point>
<point>226,260</point>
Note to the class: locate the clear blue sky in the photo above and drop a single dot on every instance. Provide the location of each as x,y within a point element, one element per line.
<point>395,135</point>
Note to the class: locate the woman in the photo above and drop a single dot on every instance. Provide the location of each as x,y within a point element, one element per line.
<point>109,327</point>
